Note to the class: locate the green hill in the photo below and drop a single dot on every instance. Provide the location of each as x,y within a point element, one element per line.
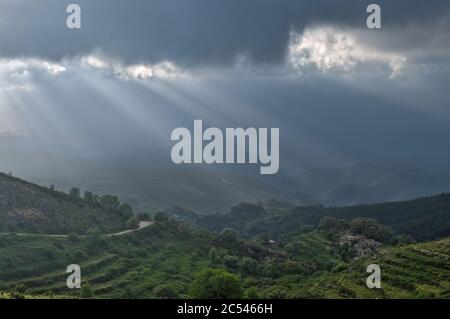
<point>159,261</point>
<point>278,251</point>
<point>424,218</point>
<point>162,261</point>
<point>412,271</point>
<point>30,208</point>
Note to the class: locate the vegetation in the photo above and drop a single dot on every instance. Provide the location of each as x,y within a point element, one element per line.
<point>269,250</point>
<point>425,218</point>
<point>216,284</point>
<point>29,208</point>
<point>87,291</point>
<point>170,259</point>
<point>369,228</point>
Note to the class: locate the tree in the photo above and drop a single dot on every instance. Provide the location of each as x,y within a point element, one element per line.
<point>213,254</point>
<point>89,197</point>
<point>231,261</point>
<point>403,239</point>
<point>75,192</point>
<point>248,265</point>
<point>252,293</point>
<point>97,200</point>
<point>95,237</point>
<point>271,268</point>
<point>276,292</point>
<point>87,291</point>
<point>229,236</point>
<point>126,210</point>
<point>371,229</point>
<point>160,217</point>
<point>166,291</point>
<point>143,216</point>
<point>133,223</point>
<point>109,202</point>
<point>328,224</point>
<point>216,284</point>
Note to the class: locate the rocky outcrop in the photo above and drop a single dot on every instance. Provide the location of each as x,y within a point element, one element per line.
<point>360,245</point>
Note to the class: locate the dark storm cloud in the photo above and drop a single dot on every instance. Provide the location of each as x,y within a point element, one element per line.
<point>201,32</point>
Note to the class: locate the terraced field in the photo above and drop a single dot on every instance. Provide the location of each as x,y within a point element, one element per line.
<point>413,271</point>
<point>112,265</point>
<point>162,260</point>
<point>313,248</point>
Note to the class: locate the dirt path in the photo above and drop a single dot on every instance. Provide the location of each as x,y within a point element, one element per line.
<point>142,225</point>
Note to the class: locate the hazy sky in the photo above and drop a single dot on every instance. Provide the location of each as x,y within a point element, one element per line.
<point>339,92</point>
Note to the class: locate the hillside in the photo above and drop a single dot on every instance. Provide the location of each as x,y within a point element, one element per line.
<point>163,260</point>
<point>159,261</point>
<point>30,208</point>
<point>308,259</point>
<point>423,218</point>
<point>412,271</point>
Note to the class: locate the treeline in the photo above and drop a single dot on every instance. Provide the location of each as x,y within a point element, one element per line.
<point>105,202</point>
<point>367,227</point>
<point>424,218</point>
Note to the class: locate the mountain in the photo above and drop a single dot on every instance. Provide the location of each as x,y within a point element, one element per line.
<point>150,182</point>
<point>152,188</point>
<point>30,208</point>
<point>424,218</point>
<point>365,183</point>
<point>210,189</point>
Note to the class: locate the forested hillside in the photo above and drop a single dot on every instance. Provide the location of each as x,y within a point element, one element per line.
<point>424,218</point>
<point>30,208</point>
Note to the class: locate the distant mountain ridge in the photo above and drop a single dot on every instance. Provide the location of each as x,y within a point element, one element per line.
<point>365,183</point>
<point>211,189</point>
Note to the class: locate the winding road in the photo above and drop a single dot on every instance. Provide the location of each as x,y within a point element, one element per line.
<point>142,225</point>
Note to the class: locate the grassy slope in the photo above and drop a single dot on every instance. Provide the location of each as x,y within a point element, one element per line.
<point>126,266</point>
<point>144,264</point>
<point>412,271</point>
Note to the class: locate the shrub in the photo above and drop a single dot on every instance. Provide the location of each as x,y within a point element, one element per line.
<point>143,216</point>
<point>133,223</point>
<point>248,265</point>
<point>216,284</point>
<point>231,261</point>
<point>87,291</point>
<point>166,291</point>
<point>276,292</point>
<point>73,237</point>
<point>18,292</point>
<point>371,229</point>
<point>160,217</point>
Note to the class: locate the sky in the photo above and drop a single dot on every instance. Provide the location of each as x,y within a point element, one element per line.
<point>114,90</point>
